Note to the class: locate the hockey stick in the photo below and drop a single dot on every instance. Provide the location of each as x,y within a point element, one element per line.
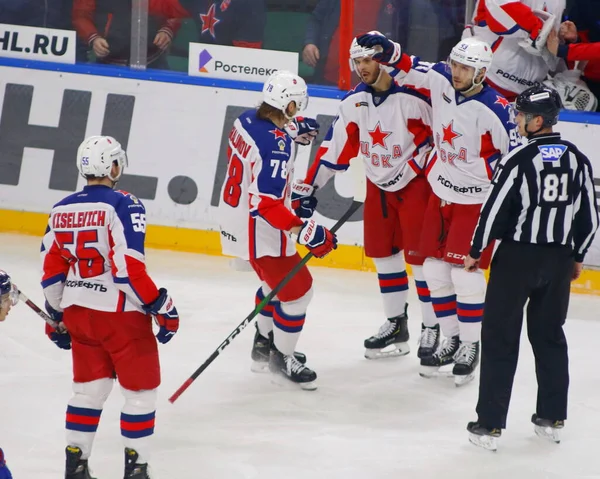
<point>359,179</point>
<point>54,324</point>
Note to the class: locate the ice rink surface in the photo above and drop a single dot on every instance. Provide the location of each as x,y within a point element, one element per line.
<point>368,419</point>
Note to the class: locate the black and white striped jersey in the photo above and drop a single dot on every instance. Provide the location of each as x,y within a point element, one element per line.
<point>542,193</point>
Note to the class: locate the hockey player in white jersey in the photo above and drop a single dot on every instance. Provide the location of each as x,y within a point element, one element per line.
<point>517,31</point>
<point>389,127</point>
<point>257,221</point>
<point>472,129</point>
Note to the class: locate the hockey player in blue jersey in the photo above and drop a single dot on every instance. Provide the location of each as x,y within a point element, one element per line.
<point>257,221</point>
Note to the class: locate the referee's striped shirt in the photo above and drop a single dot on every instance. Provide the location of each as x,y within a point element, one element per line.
<point>543,193</point>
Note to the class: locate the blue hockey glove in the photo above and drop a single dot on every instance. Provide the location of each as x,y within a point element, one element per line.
<point>304,130</point>
<point>318,239</point>
<point>304,202</point>
<point>165,312</point>
<point>62,340</point>
<point>390,53</point>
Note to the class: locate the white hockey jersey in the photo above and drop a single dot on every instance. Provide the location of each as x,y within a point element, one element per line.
<point>391,131</point>
<point>503,24</point>
<point>470,134</point>
<point>255,213</point>
<point>93,252</point>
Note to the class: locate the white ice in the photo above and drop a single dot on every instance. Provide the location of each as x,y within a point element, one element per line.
<point>368,419</point>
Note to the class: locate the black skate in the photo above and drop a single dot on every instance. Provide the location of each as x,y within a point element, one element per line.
<point>429,341</point>
<point>431,366</point>
<point>391,340</point>
<point>547,428</point>
<point>484,437</point>
<point>261,350</point>
<point>133,470</point>
<point>290,369</point>
<point>466,360</point>
<point>76,468</point>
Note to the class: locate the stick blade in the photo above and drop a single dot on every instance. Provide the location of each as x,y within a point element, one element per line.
<point>359,178</point>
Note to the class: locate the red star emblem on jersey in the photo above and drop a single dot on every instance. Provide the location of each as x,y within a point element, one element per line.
<point>449,134</point>
<point>278,133</point>
<point>502,101</point>
<point>378,135</point>
<point>209,21</point>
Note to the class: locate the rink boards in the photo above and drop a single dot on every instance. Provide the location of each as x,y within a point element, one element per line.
<point>175,134</point>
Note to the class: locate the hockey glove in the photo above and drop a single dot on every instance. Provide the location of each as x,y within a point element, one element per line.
<point>318,239</point>
<point>389,52</point>
<point>304,202</point>
<point>303,130</point>
<point>4,471</point>
<point>165,313</point>
<point>62,340</point>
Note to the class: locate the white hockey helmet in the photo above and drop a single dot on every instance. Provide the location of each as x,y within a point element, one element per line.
<point>358,51</point>
<point>96,155</point>
<point>284,87</point>
<point>474,53</point>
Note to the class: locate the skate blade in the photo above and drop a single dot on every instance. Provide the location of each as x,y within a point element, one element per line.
<point>391,351</point>
<point>260,367</point>
<point>284,382</point>
<point>551,434</point>
<point>462,380</point>
<point>434,372</point>
<point>486,442</point>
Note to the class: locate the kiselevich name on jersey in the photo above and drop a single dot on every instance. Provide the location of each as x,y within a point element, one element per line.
<point>459,189</point>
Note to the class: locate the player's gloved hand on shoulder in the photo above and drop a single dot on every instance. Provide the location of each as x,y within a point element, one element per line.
<point>390,52</point>
<point>4,471</point>
<point>62,340</point>
<point>304,202</point>
<point>303,130</point>
<point>165,312</point>
<point>318,239</point>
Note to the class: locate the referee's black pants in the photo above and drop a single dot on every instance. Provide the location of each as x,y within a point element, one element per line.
<point>542,274</point>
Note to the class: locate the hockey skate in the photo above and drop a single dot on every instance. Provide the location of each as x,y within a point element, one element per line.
<point>547,429</point>
<point>261,350</point>
<point>429,341</point>
<point>133,470</point>
<point>391,340</point>
<point>441,362</point>
<point>466,360</point>
<point>288,370</point>
<point>76,468</point>
<point>483,437</point>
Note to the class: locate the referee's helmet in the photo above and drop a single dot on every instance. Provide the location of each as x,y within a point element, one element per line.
<point>540,100</point>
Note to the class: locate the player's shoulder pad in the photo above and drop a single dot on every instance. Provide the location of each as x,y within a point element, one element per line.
<point>128,200</point>
<point>443,69</point>
<point>412,92</point>
<point>265,135</point>
<point>358,88</point>
<point>500,106</point>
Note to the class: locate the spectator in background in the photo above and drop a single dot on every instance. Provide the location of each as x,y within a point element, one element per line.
<point>239,23</point>
<point>105,25</point>
<point>581,37</point>
<point>406,21</point>
<point>37,13</point>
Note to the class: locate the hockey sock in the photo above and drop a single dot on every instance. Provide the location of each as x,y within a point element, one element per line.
<point>288,319</point>
<point>137,421</point>
<point>443,297</point>
<point>84,411</point>
<point>393,283</point>
<point>470,295</point>
<point>427,312</point>
<point>264,320</point>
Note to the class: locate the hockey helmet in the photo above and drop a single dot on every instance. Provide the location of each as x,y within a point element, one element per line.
<point>284,87</point>
<point>97,154</point>
<point>474,53</point>
<point>540,100</point>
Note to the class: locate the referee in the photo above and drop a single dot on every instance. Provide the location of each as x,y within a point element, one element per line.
<point>543,208</point>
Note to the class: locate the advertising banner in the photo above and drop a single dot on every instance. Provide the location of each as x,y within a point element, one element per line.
<point>235,63</point>
<point>45,44</point>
